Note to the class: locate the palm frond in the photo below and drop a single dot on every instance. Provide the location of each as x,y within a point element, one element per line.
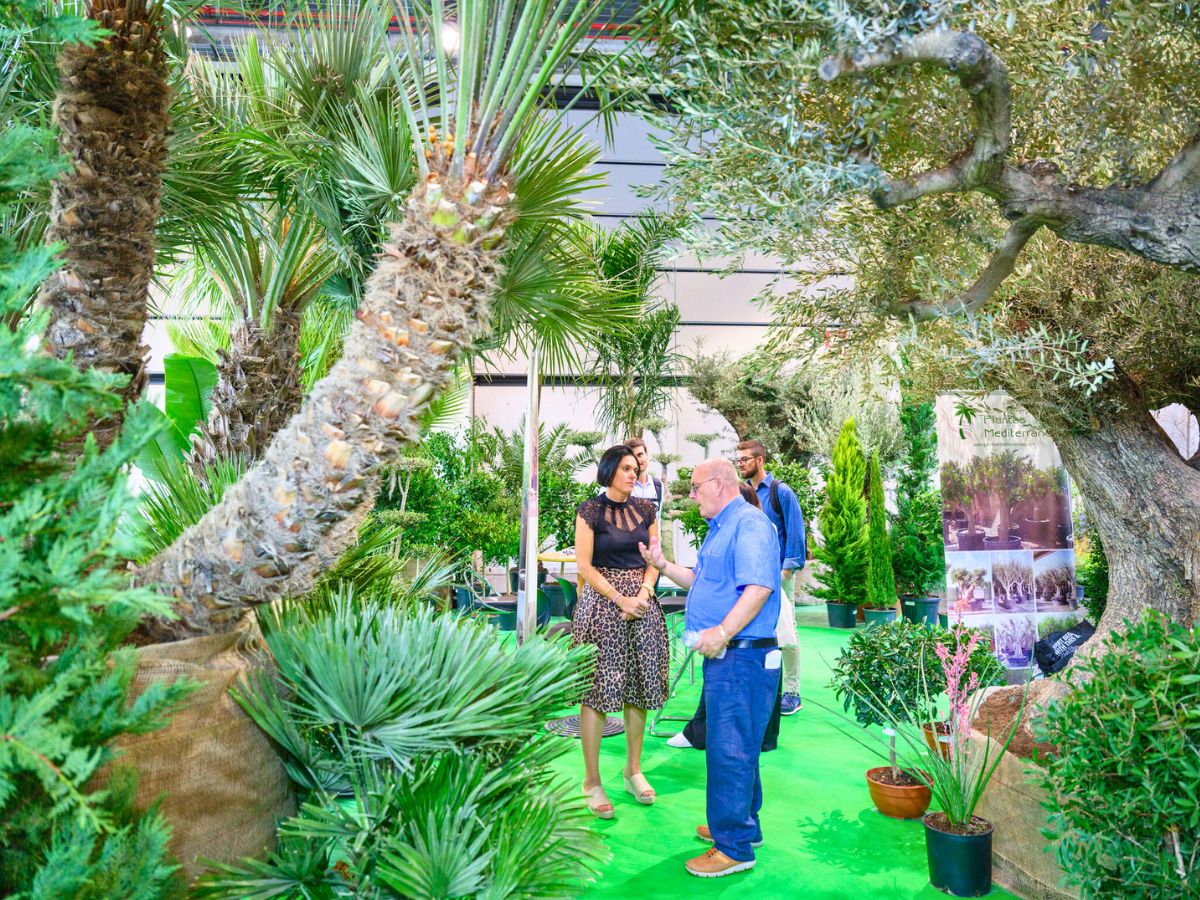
<point>171,506</point>
<point>448,407</point>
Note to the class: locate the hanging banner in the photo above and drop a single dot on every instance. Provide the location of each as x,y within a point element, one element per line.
<point>1006,522</point>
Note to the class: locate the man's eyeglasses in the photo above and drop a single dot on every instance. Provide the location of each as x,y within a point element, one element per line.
<point>742,460</point>
<point>696,485</point>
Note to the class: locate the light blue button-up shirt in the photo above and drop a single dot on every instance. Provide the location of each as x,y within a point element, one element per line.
<point>740,549</point>
<point>792,553</point>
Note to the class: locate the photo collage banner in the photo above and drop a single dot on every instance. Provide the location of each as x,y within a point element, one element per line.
<point>1006,522</point>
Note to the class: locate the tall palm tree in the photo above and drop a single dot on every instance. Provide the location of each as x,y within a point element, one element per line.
<point>112,117</point>
<point>425,303</point>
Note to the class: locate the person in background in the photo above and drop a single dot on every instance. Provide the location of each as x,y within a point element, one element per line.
<point>647,487</point>
<point>782,507</point>
<point>732,608</point>
<point>619,615</point>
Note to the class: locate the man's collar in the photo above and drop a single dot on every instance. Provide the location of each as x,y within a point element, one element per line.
<point>725,512</point>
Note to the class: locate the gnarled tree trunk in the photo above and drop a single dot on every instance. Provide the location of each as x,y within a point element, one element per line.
<point>425,302</point>
<point>257,391</point>
<point>112,115</point>
<point>1145,501</point>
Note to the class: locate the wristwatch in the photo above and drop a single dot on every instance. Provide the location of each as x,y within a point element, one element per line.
<point>650,595</point>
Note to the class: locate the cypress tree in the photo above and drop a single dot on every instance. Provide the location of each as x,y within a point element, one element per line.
<point>881,586</point>
<point>843,547</point>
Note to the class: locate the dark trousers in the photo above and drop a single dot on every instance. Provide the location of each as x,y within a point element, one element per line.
<point>696,730</point>
<point>739,691</point>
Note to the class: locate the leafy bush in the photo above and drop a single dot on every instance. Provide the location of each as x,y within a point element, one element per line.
<point>419,742</point>
<point>800,478</point>
<point>1124,784</point>
<point>1091,572</point>
<point>918,558</point>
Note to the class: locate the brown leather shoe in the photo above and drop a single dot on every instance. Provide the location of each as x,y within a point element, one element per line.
<point>704,834</point>
<point>714,864</point>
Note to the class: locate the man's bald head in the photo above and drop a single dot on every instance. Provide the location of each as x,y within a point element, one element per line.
<point>717,484</point>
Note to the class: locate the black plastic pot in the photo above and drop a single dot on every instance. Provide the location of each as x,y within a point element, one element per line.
<point>841,615</point>
<point>959,864</point>
<point>920,609</point>
<point>514,579</point>
<point>879,616</point>
<point>554,593</point>
<point>970,540</point>
<point>998,543</point>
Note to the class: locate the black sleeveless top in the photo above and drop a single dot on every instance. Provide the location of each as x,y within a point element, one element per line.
<point>618,528</point>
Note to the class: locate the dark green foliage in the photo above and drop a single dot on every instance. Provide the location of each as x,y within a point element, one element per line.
<point>1091,573</point>
<point>843,550</point>
<point>419,740</point>
<point>881,585</point>
<point>799,477</point>
<point>1123,788</point>
<point>918,553</point>
<point>895,668</point>
<point>559,495</point>
<point>65,601</point>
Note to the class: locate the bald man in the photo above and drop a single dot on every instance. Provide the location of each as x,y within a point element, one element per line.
<point>733,604</point>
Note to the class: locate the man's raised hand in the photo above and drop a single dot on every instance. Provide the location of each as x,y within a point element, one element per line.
<point>653,555</point>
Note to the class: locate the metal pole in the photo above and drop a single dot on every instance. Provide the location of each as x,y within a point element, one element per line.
<point>527,560</point>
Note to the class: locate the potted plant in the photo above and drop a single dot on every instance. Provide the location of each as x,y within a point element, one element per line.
<point>881,584</point>
<point>1040,487</point>
<point>918,550</point>
<point>960,501</point>
<point>841,579</point>
<point>958,843</point>
<point>884,665</point>
<point>1000,478</point>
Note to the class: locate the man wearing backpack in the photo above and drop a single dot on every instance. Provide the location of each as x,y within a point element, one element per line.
<point>782,507</point>
<point>646,486</point>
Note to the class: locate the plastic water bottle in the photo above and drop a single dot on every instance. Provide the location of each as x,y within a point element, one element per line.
<point>689,640</point>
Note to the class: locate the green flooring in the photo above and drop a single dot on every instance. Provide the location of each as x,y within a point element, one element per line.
<point>824,838</point>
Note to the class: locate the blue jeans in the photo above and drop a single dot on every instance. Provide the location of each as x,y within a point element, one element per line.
<point>739,693</point>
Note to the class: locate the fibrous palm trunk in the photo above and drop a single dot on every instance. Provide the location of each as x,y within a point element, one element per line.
<point>112,115</point>
<point>257,391</point>
<point>298,507</point>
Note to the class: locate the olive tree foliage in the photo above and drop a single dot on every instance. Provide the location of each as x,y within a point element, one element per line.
<point>1013,189</point>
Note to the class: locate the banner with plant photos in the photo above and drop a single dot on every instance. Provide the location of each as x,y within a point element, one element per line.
<point>1006,523</point>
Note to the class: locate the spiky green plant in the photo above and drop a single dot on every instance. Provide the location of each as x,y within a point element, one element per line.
<point>423,779</point>
<point>425,304</point>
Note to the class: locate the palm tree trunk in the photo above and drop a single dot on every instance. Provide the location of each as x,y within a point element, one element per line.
<point>112,116</point>
<point>426,301</point>
<point>257,391</point>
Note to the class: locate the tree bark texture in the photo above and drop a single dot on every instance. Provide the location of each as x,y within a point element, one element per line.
<point>1145,501</point>
<point>112,115</point>
<point>257,392</point>
<point>298,506</point>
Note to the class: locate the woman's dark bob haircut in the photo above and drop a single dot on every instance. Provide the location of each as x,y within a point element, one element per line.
<point>610,461</point>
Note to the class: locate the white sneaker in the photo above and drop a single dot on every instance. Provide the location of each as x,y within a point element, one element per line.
<point>680,740</point>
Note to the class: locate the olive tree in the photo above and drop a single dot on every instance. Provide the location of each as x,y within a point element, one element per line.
<point>1012,188</point>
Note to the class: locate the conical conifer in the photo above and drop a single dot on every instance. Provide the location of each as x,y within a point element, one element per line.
<point>843,520</point>
<point>881,585</point>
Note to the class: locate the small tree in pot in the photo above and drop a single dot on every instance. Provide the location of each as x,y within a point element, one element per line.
<point>959,498</point>
<point>918,552</point>
<point>881,585</point>
<point>843,552</point>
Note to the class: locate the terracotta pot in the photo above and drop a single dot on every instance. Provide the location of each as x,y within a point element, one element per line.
<point>897,801</point>
<point>943,740</point>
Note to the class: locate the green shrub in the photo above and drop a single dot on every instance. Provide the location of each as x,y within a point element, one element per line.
<point>881,584</point>
<point>1091,573</point>
<point>799,478</point>
<point>918,557</point>
<point>1124,786</point>
<point>418,742</point>
<point>843,548</point>
<point>1055,623</point>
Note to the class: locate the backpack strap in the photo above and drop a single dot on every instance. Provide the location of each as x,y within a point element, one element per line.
<point>778,507</point>
<point>658,490</point>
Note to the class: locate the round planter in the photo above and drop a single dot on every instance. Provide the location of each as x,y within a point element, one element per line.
<point>879,616</point>
<point>841,615</point>
<point>514,579</point>
<point>970,540</point>
<point>1040,532</point>
<point>554,593</point>
<point>944,619</point>
<point>921,609</point>
<point>997,543</point>
<point>943,740</point>
<point>959,864</point>
<point>897,801</point>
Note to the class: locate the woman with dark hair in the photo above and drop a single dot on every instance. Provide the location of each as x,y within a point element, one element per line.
<point>619,615</point>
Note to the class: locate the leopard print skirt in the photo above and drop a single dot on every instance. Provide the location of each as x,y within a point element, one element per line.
<point>632,658</point>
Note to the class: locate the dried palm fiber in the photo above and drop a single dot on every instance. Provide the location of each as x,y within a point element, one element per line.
<point>219,780</point>
<point>257,391</point>
<point>426,301</point>
<point>112,115</point>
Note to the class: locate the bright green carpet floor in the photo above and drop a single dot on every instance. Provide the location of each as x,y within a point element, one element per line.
<point>824,838</point>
